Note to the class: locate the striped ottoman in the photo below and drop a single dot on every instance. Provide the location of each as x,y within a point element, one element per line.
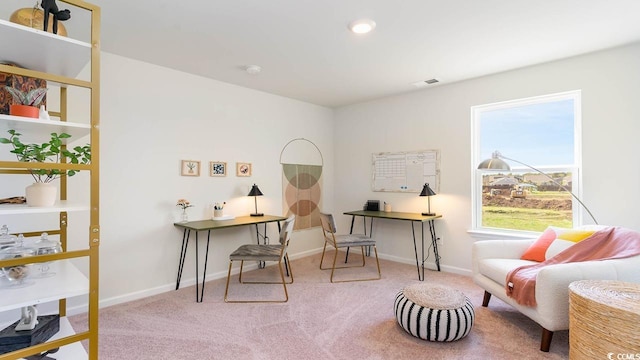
<point>434,312</point>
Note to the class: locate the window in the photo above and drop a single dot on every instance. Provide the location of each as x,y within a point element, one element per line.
<point>542,132</point>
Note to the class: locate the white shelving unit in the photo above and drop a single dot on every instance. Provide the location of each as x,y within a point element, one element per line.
<point>39,130</point>
<point>58,60</point>
<point>73,351</point>
<point>45,52</point>
<point>67,282</point>
<point>63,205</point>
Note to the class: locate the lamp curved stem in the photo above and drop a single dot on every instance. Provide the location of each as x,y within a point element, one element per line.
<point>555,182</point>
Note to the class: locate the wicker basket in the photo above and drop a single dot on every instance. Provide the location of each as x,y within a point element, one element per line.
<point>604,319</point>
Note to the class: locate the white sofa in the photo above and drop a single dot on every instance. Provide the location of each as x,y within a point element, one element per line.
<point>493,259</point>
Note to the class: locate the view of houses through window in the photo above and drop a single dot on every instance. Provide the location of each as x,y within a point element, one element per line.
<point>526,201</point>
<point>543,133</point>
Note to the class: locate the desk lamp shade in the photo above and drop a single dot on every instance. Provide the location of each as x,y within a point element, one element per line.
<point>255,192</point>
<point>498,163</point>
<point>428,192</point>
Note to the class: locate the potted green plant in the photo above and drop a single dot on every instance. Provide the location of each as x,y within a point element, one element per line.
<point>42,192</point>
<point>26,103</point>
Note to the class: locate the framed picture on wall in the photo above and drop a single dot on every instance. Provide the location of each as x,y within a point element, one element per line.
<point>243,169</point>
<point>217,168</point>
<point>190,168</point>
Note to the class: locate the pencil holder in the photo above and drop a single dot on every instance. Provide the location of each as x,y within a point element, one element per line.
<point>217,213</point>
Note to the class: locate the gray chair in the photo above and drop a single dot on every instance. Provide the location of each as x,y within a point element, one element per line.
<point>344,241</point>
<point>256,252</point>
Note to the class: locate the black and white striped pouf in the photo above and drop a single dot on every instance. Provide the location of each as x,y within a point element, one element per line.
<point>434,312</point>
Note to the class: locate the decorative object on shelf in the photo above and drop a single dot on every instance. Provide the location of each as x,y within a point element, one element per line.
<point>217,168</point>
<point>45,246</point>
<point>184,205</point>
<point>28,319</point>
<point>34,18</point>
<point>50,7</point>
<point>43,114</point>
<point>12,339</point>
<point>255,192</point>
<point>17,274</point>
<point>426,191</point>
<point>190,168</point>
<point>6,239</point>
<point>22,83</point>
<point>497,164</point>
<point>14,200</point>
<point>40,193</point>
<point>243,169</point>
<point>26,103</point>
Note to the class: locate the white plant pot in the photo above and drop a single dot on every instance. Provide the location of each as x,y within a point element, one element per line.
<point>41,194</point>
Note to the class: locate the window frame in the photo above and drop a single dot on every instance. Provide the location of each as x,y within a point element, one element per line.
<point>575,168</point>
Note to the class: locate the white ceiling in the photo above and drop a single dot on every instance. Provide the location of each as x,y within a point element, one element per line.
<point>306,51</point>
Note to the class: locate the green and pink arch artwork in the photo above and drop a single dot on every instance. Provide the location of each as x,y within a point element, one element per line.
<point>302,193</point>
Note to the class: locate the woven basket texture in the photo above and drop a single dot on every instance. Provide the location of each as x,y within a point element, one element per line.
<point>604,319</point>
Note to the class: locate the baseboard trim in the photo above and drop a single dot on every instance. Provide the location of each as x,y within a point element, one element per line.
<point>137,295</point>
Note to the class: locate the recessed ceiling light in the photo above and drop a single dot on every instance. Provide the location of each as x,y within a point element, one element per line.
<point>362,26</point>
<point>253,69</point>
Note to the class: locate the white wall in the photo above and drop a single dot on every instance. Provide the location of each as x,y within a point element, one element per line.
<point>439,118</point>
<point>151,118</point>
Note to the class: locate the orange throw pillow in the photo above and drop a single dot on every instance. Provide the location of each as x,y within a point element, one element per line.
<point>537,250</point>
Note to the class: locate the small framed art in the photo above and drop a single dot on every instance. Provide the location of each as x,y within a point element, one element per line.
<point>243,169</point>
<point>190,168</point>
<point>217,168</point>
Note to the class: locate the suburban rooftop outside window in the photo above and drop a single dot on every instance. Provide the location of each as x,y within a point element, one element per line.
<point>543,132</point>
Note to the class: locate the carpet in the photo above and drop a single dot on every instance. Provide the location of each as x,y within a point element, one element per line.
<point>321,321</point>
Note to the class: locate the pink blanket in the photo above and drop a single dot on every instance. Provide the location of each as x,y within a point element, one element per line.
<point>608,243</point>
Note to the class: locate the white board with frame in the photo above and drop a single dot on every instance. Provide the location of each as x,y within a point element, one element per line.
<point>406,171</point>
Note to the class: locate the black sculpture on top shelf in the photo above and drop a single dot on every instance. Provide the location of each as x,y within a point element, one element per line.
<point>50,7</point>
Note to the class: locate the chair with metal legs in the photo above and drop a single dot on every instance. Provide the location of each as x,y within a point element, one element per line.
<point>344,241</point>
<point>256,252</point>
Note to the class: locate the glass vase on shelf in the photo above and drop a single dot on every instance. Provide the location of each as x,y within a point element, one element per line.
<point>185,216</point>
<point>45,246</point>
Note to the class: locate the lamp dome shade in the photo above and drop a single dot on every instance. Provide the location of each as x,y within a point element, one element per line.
<point>494,164</point>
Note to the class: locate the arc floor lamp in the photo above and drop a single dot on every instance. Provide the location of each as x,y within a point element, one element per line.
<point>498,164</point>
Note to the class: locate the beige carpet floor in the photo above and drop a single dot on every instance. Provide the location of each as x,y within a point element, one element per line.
<point>321,321</point>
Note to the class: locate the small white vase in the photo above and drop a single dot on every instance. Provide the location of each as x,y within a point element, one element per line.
<point>41,194</point>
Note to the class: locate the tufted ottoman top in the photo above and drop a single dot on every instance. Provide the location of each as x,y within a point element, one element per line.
<point>435,296</point>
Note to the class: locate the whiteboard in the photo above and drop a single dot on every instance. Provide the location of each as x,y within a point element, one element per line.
<point>406,171</point>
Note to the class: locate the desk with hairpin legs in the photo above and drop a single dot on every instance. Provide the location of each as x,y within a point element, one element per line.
<point>403,216</point>
<point>208,225</point>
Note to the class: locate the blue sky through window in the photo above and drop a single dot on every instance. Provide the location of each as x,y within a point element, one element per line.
<point>539,134</point>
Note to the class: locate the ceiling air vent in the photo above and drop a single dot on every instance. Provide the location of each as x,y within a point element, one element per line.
<point>424,83</point>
